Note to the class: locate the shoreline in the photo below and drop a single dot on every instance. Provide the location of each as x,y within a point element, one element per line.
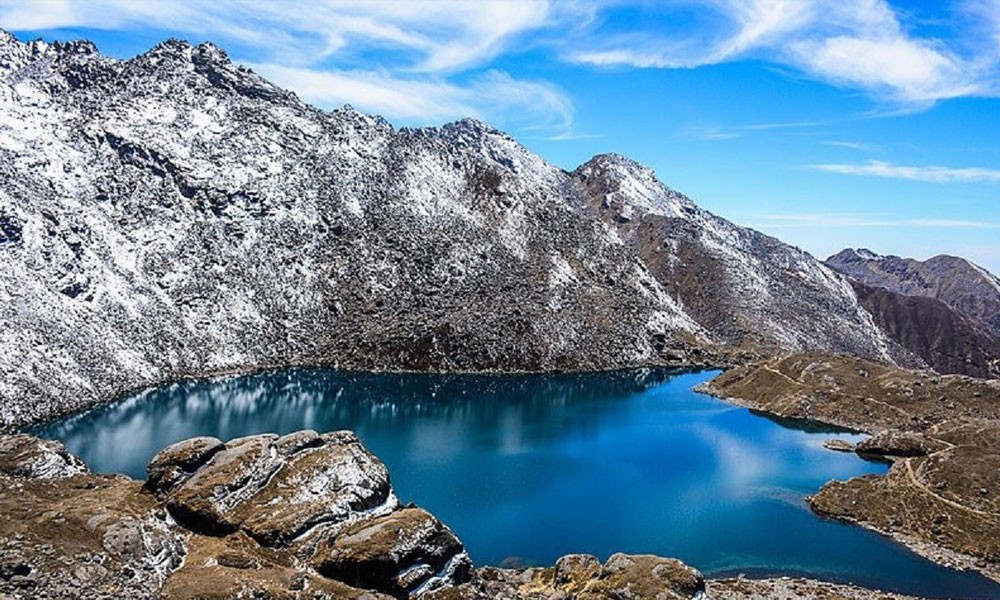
<point>937,553</point>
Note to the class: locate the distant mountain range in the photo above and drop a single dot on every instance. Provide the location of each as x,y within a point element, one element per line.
<point>945,309</point>
<point>176,215</point>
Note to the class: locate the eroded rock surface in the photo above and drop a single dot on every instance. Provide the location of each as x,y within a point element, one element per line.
<point>27,456</point>
<point>942,433</point>
<point>276,489</point>
<point>398,553</point>
<point>583,577</point>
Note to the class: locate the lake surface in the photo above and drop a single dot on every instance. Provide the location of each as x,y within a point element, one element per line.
<point>527,468</point>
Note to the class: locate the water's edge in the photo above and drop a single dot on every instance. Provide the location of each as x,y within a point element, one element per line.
<point>673,369</point>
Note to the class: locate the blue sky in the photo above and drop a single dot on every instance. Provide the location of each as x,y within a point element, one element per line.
<point>827,123</point>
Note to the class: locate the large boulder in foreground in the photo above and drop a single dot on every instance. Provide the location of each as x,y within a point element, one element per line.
<point>275,489</point>
<point>400,553</point>
<point>583,577</point>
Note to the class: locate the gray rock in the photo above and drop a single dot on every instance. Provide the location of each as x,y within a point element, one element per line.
<point>275,489</point>
<point>399,553</point>
<point>27,456</point>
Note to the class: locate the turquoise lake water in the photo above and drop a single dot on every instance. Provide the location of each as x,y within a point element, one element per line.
<point>527,468</point>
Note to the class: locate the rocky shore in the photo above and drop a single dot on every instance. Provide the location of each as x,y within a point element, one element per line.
<point>305,515</point>
<point>941,496</point>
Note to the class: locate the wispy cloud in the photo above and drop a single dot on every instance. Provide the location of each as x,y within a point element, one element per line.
<point>932,174</point>
<point>861,147</point>
<point>862,220</point>
<point>717,133</point>
<point>495,93</point>
<point>859,44</point>
<point>431,49</point>
<point>570,136</point>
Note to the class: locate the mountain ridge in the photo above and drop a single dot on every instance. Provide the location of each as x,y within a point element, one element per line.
<point>958,282</point>
<point>177,215</point>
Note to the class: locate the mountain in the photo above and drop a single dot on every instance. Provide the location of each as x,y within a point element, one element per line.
<point>945,310</point>
<point>176,215</point>
<point>944,338</point>
<point>959,283</point>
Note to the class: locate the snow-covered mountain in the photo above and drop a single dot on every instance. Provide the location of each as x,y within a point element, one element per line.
<point>175,215</point>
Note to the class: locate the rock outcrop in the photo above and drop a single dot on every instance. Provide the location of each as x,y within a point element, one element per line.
<point>276,489</point>
<point>218,520</point>
<point>941,433</point>
<point>176,215</point>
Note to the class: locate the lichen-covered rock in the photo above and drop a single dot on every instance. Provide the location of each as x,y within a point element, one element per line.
<point>399,553</point>
<point>275,489</point>
<point>897,443</point>
<point>175,463</point>
<point>27,456</point>
<point>66,533</point>
<point>839,445</point>
<point>583,577</point>
<point>645,576</point>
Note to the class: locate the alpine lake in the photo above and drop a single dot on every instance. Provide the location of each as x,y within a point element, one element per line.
<point>527,468</point>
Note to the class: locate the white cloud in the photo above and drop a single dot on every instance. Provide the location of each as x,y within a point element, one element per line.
<point>862,220</point>
<point>429,99</point>
<point>428,47</point>
<point>907,70</point>
<point>711,133</point>
<point>859,44</point>
<point>859,146</point>
<point>933,174</point>
<point>443,35</point>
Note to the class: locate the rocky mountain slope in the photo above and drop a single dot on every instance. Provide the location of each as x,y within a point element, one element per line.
<point>176,215</point>
<point>944,338</point>
<point>959,283</point>
<point>945,310</point>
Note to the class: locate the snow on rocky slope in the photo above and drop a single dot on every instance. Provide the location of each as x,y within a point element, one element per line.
<point>176,215</point>
<point>750,290</point>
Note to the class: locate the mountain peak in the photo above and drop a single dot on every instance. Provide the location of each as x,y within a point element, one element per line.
<point>7,38</point>
<point>853,255</point>
<point>171,49</point>
<point>469,126</point>
<point>82,47</point>
<point>209,53</point>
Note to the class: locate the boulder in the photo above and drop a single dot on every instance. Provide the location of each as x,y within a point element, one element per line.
<point>276,489</point>
<point>838,445</point>
<point>897,443</point>
<point>399,553</point>
<point>26,456</point>
<point>175,463</point>
<point>647,577</point>
<point>583,577</point>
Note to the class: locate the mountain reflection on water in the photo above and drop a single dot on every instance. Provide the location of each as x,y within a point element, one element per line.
<point>526,468</point>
